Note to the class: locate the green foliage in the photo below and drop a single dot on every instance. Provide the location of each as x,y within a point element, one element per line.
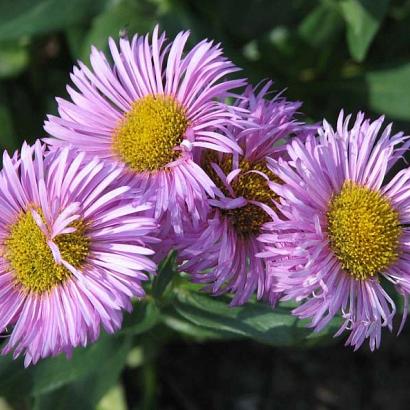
<point>389,91</point>
<point>363,19</point>
<point>321,25</point>
<point>90,372</point>
<point>32,17</point>
<point>13,58</point>
<point>144,317</point>
<point>255,320</point>
<point>95,376</point>
<point>328,53</point>
<point>128,16</point>
<point>166,273</point>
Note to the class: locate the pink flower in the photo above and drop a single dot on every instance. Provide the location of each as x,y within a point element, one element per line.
<point>73,251</point>
<point>153,110</point>
<point>344,228</point>
<point>222,252</point>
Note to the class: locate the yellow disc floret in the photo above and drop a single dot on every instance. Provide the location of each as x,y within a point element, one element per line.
<point>31,259</point>
<point>147,135</point>
<point>364,230</point>
<point>252,186</point>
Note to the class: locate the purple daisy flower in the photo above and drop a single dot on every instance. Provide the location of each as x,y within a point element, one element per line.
<point>73,251</point>
<point>153,110</point>
<point>222,252</point>
<point>344,228</point>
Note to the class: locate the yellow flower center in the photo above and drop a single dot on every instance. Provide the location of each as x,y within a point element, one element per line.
<point>248,219</point>
<point>364,230</point>
<point>147,135</point>
<point>31,259</point>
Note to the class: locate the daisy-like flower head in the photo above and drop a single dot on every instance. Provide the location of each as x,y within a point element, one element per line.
<point>221,253</point>
<point>73,251</point>
<point>152,110</point>
<point>345,229</point>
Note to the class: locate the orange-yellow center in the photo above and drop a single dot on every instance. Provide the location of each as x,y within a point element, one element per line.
<point>31,259</point>
<point>248,219</point>
<point>147,135</point>
<point>364,230</point>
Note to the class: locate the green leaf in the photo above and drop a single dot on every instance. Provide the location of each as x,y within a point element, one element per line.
<point>13,59</point>
<point>166,272</point>
<point>256,320</point>
<point>363,19</point>
<point>113,400</point>
<point>175,321</point>
<point>85,392</point>
<point>388,91</point>
<point>144,316</point>
<point>382,90</point>
<point>52,373</point>
<point>29,17</point>
<point>321,25</point>
<point>128,15</point>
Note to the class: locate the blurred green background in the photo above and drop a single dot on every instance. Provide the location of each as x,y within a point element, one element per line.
<point>330,54</point>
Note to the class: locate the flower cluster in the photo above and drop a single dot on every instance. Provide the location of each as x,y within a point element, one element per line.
<point>164,148</point>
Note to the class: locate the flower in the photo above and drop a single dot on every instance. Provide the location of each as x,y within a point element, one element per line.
<point>153,110</point>
<point>73,251</point>
<point>222,251</point>
<point>344,230</point>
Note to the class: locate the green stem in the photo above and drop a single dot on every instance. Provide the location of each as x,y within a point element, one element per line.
<point>149,379</point>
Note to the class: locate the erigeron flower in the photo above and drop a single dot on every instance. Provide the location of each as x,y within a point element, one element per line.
<point>73,250</point>
<point>153,110</point>
<point>344,231</point>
